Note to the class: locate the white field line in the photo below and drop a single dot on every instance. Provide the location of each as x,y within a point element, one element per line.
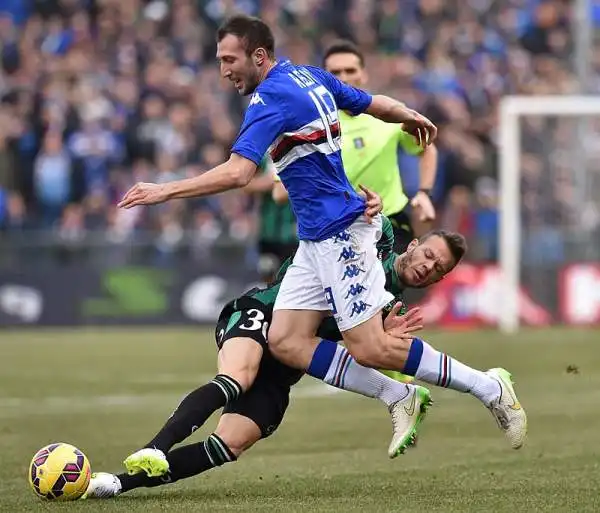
<point>11,407</point>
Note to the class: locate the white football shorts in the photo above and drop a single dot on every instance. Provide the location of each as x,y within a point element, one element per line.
<point>341,274</point>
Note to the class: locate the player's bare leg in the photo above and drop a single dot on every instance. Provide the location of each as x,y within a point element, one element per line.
<point>370,346</point>
<point>292,336</point>
<point>238,363</point>
<point>234,435</point>
<point>415,357</point>
<point>331,363</point>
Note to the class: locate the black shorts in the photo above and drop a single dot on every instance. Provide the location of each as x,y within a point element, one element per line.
<point>403,232</point>
<point>267,400</point>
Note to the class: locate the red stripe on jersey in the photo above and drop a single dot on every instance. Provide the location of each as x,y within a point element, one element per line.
<point>291,141</point>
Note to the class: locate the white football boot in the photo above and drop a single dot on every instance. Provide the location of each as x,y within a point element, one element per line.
<point>407,414</point>
<point>507,409</point>
<point>102,486</point>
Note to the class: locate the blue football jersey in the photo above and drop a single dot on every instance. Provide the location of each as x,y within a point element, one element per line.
<point>293,116</point>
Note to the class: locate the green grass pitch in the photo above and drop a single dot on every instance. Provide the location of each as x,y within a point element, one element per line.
<point>107,391</point>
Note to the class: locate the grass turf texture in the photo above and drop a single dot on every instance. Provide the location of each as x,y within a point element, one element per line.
<point>107,391</point>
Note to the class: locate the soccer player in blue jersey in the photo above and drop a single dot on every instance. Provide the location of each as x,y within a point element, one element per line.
<point>293,116</point>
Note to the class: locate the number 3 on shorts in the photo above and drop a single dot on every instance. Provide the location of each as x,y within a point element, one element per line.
<point>255,320</point>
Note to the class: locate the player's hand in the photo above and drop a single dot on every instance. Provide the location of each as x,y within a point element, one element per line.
<point>403,326</point>
<point>424,207</point>
<point>144,194</point>
<point>374,204</point>
<point>420,127</point>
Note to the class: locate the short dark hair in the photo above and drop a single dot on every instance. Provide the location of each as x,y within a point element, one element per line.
<point>344,46</point>
<point>253,32</point>
<point>456,242</point>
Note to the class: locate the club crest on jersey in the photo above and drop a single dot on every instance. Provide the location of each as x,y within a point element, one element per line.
<point>256,99</point>
<point>359,143</point>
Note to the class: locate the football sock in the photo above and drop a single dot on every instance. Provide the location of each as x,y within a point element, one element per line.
<point>187,461</point>
<point>333,364</point>
<point>436,368</point>
<point>194,410</point>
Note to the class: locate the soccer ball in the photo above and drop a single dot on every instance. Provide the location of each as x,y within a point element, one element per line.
<point>59,472</point>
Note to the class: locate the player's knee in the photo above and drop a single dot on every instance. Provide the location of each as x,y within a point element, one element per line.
<point>237,446</point>
<point>244,377</point>
<point>238,434</point>
<point>240,359</point>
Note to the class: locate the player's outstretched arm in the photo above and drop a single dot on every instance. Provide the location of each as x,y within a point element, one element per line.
<point>233,174</point>
<point>392,111</point>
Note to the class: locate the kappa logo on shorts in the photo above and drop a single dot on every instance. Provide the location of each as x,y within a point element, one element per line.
<point>342,237</point>
<point>352,271</point>
<point>358,308</point>
<point>347,254</point>
<point>355,290</point>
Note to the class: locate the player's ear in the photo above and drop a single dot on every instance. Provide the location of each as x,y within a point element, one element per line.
<point>260,56</point>
<point>413,244</point>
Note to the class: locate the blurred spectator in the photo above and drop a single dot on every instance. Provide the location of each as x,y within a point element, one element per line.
<point>52,178</point>
<point>98,94</point>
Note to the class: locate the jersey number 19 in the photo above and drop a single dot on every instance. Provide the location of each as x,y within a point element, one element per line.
<point>327,109</point>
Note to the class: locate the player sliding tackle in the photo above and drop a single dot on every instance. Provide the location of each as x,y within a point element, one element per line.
<point>293,115</point>
<point>253,387</point>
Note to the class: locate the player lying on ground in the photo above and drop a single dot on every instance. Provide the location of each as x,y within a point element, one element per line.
<point>254,388</point>
<point>293,115</point>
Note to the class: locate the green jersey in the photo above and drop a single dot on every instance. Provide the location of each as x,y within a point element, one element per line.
<point>370,156</point>
<point>277,222</point>
<point>265,297</point>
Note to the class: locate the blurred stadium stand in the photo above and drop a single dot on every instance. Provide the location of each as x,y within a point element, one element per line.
<point>99,94</point>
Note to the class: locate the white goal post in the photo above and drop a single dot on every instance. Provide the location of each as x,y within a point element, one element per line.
<point>511,109</point>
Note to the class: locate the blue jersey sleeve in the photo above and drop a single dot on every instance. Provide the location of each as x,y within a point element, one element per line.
<point>263,123</point>
<point>348,98</point>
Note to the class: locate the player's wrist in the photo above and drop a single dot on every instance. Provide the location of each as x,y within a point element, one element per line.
<point>170,190</point>
<point>425,190</point>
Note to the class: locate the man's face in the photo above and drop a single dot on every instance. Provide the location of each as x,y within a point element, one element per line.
<point>236,65</point>
<point>346,66</point>
<point>425,263</point>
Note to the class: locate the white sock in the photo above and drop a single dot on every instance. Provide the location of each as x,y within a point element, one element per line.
<point>346,374</point>
<point>439,369</point>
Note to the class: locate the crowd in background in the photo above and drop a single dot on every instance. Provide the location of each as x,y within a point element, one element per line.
<point>99,94</point>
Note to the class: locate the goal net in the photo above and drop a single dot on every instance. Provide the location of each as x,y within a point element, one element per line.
<point>550,208</point>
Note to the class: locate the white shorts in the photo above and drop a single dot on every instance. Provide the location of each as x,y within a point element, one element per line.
<point>341,274</point>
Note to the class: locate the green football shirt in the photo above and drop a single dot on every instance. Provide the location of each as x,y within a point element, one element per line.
<point>369,153</point>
